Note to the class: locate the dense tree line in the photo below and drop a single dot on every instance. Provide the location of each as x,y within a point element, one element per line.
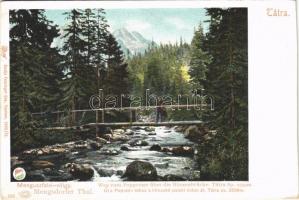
<point>220,66</point>
<point>162,69</point>
<point>35,71</point>
<point>46,78</point>
<point>216,62</point>
<point>93,60</point>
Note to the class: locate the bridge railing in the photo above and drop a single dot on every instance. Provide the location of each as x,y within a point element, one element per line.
<point>84,116</point>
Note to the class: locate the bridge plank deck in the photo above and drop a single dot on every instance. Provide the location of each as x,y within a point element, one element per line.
<point>119,124</point>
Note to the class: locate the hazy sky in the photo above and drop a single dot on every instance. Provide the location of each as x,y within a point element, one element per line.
<point>160,24</point>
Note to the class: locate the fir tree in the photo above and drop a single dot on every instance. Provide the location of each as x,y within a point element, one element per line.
<point>101,46</point>
<point>34,71</point>
<point>117,77</point>
<point>226,157</point>
<point>89,34</point>
<point>76,73</point>
<point>199,59</point>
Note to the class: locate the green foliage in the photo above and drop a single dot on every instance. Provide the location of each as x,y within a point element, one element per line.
<point>93,60</point>
<point>46,79</point>
<point>226,156</point>
<point>227,76</point>
<point>76,71</point>
<point>35,71</point>
<point>145,70</point>
<point>199,59</point>
<point>117,74</point>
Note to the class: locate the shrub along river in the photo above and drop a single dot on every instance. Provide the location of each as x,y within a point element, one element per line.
<point>140,153</point>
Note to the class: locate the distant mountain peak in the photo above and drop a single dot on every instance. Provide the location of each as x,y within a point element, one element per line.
<point>131,42</point>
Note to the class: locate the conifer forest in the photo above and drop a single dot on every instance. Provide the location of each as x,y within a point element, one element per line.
<point>64,79</point>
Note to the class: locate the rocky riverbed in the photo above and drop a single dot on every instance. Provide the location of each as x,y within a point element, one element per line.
<point>140,153</point>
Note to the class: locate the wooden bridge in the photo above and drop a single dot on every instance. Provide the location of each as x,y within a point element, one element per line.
<point>101,122</point>
<point>125,124</point>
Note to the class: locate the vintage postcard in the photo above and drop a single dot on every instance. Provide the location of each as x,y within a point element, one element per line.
<point>152,99</point>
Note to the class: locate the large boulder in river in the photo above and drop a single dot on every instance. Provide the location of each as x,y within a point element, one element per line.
<point>155,147</point>
<point>193,132</point>
<point>80,171</point>
<point>140,171</point>
<point>183,151</point>
<point>166,149</point>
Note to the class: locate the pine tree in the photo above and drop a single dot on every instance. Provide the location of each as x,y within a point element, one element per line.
<point>117,77</point>
<point>89,34</point>
<point>101,46</point>
<point>227,75</point>
<point>226,157</point>
<point>34,71</point>
<point>199,59</point>
<point>76,73</point>
<point>153,77</point>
